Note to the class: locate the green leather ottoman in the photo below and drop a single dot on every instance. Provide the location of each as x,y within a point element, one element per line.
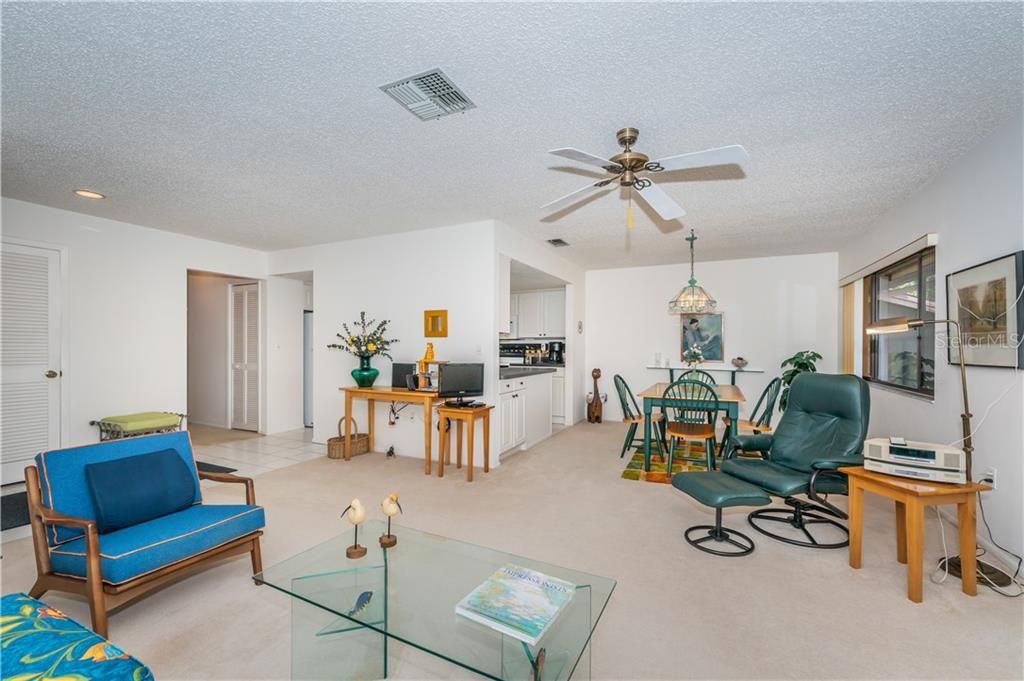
<point>718,490</point>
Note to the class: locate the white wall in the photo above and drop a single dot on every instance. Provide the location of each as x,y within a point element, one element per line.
<point>397,277</point>
<point>542,256</point>
<point>772,307</point>
<point>975,207</point>
<point>208,362</point>
<point>125,303</point>
<point>284,301</point>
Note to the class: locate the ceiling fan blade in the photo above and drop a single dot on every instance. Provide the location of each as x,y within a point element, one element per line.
<point>573,197</point>
<point>584,157</point>
<point>732,154</point>
<point>656,198</point>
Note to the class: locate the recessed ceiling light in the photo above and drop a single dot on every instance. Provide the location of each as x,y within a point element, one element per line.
<point>89,194</point>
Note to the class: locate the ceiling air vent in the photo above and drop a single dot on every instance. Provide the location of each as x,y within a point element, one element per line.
<point>558,243</point>
<point>429,95</point>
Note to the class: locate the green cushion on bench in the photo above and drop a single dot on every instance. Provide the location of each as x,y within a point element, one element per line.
<point>718,490</point>
<point>143,421</point>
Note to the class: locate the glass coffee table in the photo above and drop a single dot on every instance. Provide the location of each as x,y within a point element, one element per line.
<point>414,588</point>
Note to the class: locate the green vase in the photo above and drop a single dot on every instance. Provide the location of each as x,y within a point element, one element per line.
<point>365,375</point>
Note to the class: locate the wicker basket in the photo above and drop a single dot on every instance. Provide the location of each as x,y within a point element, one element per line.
<point>336,445</point>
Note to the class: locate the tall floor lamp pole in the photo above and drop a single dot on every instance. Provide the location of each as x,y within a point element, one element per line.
<point>902,324</point>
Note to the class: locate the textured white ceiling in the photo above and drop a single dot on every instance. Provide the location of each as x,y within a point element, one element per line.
<point>261,124</point>
<point>522,277</point>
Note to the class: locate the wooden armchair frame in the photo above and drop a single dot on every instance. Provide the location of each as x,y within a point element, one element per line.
<point>105,598</point>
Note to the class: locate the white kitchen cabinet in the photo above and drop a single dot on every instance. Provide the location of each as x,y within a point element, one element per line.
<point>558,396</point>
<point>507,417</point>
<point>513,315</point>
<point>553,306</point>
<point>504,294</point>
<point>537,413</point>
<point>530,318</point>
<point>524,408</point>
<point>520,404</point>
<point>539,314</point>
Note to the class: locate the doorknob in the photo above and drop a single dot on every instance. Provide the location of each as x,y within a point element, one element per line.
<point>52,374</point>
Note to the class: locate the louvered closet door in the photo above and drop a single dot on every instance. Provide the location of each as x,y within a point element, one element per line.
<point>245,356</point>
<point>29,355</point>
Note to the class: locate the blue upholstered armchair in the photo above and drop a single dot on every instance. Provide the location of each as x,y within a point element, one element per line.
<point>114,520</point>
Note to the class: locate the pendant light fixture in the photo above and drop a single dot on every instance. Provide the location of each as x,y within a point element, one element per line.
<point>693,299</point>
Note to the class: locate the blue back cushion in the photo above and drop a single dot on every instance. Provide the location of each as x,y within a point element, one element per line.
<point>138,488</point>
<point>62,474</point>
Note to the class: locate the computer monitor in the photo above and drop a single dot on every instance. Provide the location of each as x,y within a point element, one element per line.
<point>399,372</point>
<point>460,380</point>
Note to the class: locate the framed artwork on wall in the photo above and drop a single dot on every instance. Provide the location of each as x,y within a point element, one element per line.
<point>703,331</point>
<point>987,302</point>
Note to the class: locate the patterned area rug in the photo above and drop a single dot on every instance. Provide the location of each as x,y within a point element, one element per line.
<point>659,468</point>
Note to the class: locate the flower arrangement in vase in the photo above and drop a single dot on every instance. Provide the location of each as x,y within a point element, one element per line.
<point>371,340</point>
<point>693,356</point>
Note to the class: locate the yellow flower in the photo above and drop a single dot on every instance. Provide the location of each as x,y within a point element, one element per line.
<point>372,347</point>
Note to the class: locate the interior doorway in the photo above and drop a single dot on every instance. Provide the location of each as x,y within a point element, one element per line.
<point>224,348</point>
<point>30,319</point>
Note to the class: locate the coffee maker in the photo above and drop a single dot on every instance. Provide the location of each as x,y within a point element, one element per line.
<point>556,352</point>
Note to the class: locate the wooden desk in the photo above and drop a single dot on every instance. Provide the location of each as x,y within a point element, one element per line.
<point>730,397</point>
<point>912,497</point>
<point>444,436</point>
<point>388,394</point>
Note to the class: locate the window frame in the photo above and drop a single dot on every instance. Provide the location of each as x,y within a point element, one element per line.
<point>871,304</point>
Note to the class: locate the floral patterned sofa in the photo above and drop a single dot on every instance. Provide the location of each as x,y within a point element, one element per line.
<point>40,643</point>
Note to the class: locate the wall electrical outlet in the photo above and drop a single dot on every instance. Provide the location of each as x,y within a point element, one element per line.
<point>990,473</point>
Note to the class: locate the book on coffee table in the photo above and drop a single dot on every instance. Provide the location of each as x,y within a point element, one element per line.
<point>518,602</point>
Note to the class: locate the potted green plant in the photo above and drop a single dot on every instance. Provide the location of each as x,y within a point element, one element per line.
<point>802,362</point>
<point>370,340</point>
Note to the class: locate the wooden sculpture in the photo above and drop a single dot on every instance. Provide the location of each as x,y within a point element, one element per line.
<point>390,507</point>
<point>594,406</point>
<point>355,514</point>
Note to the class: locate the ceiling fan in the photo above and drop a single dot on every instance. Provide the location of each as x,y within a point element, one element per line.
<point>628,164</point>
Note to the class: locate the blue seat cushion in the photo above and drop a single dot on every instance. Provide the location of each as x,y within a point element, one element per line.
<point>41,642</point>
<point>137,550</point>
<point>134,489</point>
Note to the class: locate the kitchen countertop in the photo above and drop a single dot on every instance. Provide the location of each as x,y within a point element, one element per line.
<point>520,371</point>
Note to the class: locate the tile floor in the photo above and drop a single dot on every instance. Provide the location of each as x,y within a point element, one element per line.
<point>254,454</point>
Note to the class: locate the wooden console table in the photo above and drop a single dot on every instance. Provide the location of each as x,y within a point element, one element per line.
<point>912,497</point>
<point>444,445</point>
<point>388,394</point>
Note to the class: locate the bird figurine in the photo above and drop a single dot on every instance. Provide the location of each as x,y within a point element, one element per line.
<point>390,507</point>
<point>355,513</point>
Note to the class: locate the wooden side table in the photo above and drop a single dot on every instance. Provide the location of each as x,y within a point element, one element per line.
<point>911,498</point>
<point>469,415</point>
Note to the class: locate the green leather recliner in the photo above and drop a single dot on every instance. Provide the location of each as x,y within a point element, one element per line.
<point>823,428</point>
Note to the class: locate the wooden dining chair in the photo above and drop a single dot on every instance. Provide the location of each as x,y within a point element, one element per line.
<point>634,416</point>
<point>691,412</point>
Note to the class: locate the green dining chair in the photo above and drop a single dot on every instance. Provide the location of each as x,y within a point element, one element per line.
<point>693,421</point>
<point>698,375</point>
<point>760,420</point>
<point>634,416</point>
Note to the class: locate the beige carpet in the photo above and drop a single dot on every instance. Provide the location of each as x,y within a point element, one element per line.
<point>782,612</point>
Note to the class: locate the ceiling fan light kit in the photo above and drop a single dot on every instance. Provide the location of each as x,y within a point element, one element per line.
<point>626,166</point>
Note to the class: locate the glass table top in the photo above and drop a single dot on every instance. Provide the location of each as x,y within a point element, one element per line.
<point>414,588</point>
